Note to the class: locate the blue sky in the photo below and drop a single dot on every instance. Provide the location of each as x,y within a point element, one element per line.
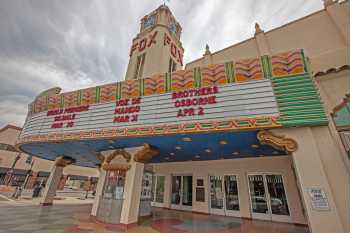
<point>79,43</point>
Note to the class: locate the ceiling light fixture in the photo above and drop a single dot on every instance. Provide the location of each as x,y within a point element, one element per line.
<point>223,142</point>
<point>208,150</point>
<point>187,139</point>
<point>178,148</point>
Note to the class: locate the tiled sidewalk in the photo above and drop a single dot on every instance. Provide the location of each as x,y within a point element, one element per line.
<point>75,218</point>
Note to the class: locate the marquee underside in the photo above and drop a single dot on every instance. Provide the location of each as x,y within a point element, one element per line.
<point>174,148</point>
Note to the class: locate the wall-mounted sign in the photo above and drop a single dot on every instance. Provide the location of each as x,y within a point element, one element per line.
<point>319,201</point>
<point>207,104</point>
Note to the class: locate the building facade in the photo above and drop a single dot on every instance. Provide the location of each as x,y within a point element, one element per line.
<point>20,169</point>
<point>257,130</point>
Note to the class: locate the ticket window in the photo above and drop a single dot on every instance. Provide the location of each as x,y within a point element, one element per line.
<point>114,186</point>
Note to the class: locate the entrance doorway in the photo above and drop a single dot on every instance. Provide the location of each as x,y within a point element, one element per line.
<point>181,192</point>
<point>158,190</point>
<point>224,195</point>
<point>268,197</point>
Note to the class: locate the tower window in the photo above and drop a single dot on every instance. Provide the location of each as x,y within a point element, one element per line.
<point>139,65</point>
<point>172,65</point>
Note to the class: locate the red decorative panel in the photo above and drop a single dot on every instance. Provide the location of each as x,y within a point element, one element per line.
<point>108,93</point>
<point>248,69</point>
<point>88,96</point>
<point>70,99</point>
<point>287,63</point>
<point>40,104</point>
<point>130,89</point>
<point>54,102</point>
<point>213,75</point>
<point>182,79</point>
<point>154,85</point>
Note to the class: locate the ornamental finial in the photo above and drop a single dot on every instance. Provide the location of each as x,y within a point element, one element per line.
<point>258,29</point>
<point>207,50</point>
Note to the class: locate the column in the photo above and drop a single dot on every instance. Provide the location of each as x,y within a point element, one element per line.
<point>54,179</point>
<point>339,17</point>
<point>132,193</point>
<point>311,173</point>
<point>99,191</point>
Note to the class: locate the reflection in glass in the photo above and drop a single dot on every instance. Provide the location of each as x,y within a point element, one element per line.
<point>231,193</point>
<point>278,197</point>
<point>114,186</point>
<point>187,191</point>
<point>216,194</point>
<point>160,189</point>
<point>257,194</point>
<point>175,190</point>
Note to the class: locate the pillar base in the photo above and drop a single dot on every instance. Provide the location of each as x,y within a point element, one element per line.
<point>46,204</point>
<point>111,226</point>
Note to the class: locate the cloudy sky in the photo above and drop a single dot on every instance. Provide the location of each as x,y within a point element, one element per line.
<point>78,43</point>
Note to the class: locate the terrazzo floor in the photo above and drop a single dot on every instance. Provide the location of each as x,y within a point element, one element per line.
<point>76,218</point>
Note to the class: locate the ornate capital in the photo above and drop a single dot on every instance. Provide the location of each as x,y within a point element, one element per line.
<point>278,142</point>
<point>145,154</point>
<point>106,160</point>
<point>115,167</point>
<point>64,161</point>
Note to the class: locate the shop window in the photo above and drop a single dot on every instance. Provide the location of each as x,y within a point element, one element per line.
<point>139,66</point>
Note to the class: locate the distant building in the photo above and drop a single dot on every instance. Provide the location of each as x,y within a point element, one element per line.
<point>15,166</point>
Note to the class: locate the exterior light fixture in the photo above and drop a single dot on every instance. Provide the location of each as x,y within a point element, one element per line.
<point>208,150</point>
<point>223,142</point>
<point>172,153</point>
<point>178,148</point>
<point>235,153</point>
<point>254,146</point>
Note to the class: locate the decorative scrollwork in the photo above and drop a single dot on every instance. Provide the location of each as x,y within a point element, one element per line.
<point>64,161</point>
<point>278,142</point>
<point>145,154</point>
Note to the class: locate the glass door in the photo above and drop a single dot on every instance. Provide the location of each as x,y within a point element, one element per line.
<point>216,195</point>
<point>158,192</point>
<point>224,195</point>
<point>187,192</point>
<point>231,196</point>
<point>181,192</point>
<point>278,198</point>
<point>268,198</point>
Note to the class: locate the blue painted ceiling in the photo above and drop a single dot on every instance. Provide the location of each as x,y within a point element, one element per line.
<point>181,147</point>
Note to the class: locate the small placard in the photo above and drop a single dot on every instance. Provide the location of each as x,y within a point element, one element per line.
<point>319,201</point>
<point>200,194</point>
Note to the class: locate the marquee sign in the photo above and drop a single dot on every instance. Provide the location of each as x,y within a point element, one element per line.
<point>203,104</point>
<point>267,92</point>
